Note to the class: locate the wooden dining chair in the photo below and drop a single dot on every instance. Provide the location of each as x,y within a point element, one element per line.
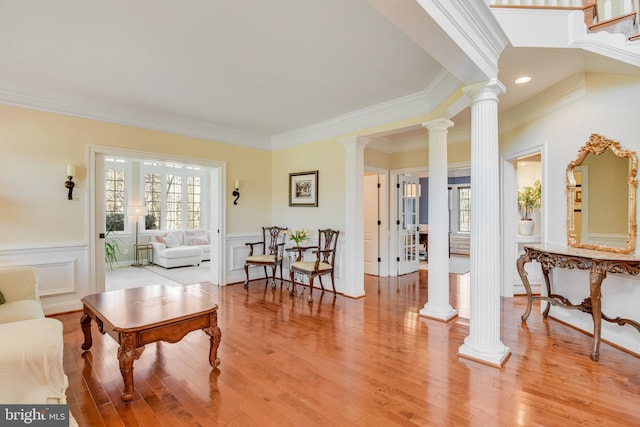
<point>272,251</point>
<point>323,264</point>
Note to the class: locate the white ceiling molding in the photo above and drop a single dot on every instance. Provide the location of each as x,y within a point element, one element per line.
<point>474,28</point>
<point>613,46</point>
<point>56,102</point>
<point>441,87</point>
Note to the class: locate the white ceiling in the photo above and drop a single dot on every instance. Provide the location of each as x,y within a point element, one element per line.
<point>261,67</point>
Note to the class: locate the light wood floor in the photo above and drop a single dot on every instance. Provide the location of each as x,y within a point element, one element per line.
<point>346,362</point>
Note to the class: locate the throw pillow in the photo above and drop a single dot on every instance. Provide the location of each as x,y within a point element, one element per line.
<point>199,241</point>
<point>171,241</point>
<point>2,300</point>
<point>160,238</point>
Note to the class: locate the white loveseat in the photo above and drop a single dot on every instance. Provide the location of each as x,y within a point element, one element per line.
<point>181,248</point>
<point>31,369</point>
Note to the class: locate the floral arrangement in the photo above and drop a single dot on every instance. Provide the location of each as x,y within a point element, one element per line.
<point>298,236</point>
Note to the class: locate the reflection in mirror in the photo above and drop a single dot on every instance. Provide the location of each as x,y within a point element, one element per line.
<point>601,197</point>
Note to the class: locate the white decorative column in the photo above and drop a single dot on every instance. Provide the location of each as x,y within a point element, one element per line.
<point>437,306</point>
<point>353,266</point>
<point>483,343</point>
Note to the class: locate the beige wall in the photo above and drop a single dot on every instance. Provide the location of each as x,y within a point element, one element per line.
<point>327,157</point>
<point>36,146</point>
<point>376,159</point>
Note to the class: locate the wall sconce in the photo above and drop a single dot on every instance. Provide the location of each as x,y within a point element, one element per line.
<point>236,191</point>
<point>69,184</point>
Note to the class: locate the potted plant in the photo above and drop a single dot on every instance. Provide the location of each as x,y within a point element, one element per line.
<point>111,249</point>
<point>529,198</point>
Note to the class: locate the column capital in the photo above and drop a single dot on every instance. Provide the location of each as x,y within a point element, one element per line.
<point>484,90</point>
<point>438,124</point>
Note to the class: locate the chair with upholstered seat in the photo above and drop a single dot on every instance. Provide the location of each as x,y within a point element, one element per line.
<point>323,264</point>
<point>272,251</point>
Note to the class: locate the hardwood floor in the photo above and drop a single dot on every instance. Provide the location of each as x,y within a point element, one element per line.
<point>342,362</point>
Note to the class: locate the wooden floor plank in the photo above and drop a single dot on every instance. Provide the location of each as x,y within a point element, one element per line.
<point>343,362</point>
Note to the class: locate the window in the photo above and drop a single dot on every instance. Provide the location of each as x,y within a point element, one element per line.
<point>115,194</point>
<point>464,209</point>
<point>174,202</point>
<point>460,208</point>
<point>193,202</point>
<point>153,200</point>
<point>173,195</point>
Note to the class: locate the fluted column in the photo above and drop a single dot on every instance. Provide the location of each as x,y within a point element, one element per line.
<point>437,306</point>
<point>353,267</point>
<point>483,343</point>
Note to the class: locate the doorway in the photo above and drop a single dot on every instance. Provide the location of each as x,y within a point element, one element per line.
<point>97,225</point>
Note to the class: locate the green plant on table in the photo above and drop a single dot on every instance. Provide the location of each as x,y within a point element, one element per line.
<point>529,198</point>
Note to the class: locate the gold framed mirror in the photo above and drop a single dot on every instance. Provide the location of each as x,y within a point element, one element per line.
<point>601,197</point>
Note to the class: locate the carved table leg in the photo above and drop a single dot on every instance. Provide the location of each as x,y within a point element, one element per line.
<point>215,335</point>
<point>85,322</point>
<point>524,258</point>
<point>597,275</point>
<point>126,355</point>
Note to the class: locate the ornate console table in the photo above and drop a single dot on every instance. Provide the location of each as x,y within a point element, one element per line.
<point>599,263</point>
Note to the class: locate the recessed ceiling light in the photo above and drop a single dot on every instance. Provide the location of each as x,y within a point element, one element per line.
<point>523,79</point>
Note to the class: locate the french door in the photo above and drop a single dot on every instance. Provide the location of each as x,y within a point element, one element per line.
<point>408,190</point>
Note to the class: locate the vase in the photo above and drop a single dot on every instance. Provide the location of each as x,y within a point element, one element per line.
<point>525,227</point>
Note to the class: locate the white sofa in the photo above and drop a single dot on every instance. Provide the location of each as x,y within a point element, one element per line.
<point>181,248</point>
<point>31,368</point>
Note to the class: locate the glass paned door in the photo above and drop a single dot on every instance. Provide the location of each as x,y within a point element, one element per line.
<point>408,235</point>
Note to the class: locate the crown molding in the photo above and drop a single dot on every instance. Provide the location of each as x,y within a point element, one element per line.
<point>613,46</point>
<point>420,103</point>
<point>27,96</point>
<point>474,28</point>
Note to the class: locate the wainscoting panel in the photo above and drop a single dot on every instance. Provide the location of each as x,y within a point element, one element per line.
<point>62,269</point>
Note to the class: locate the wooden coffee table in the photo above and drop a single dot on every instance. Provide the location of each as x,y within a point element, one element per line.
<point>139,316</point>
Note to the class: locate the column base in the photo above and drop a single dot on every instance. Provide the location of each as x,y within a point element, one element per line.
<point>440,315</point>
<point>495,359</point>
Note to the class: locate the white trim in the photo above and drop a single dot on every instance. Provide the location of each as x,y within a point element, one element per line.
<point>442,86</point>
<point>23,95</point>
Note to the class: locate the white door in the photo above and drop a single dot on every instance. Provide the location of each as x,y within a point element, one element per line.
<point>100,228</point>
<point>371,225</point>
<point>407,223</point>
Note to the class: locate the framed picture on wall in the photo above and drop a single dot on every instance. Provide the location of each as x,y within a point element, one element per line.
<point>303,189</point>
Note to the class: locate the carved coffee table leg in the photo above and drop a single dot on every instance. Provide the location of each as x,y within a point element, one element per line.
<point>126,355</point>
<point>524,258</point>
<point>597,275</point>
<point>85,322</point>
<point>215,335</point>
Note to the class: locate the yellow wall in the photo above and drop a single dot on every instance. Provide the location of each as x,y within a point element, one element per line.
<point>327,157</point>
<point>36,146</point>
<point>456,153</point>
<point>376,159</point>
